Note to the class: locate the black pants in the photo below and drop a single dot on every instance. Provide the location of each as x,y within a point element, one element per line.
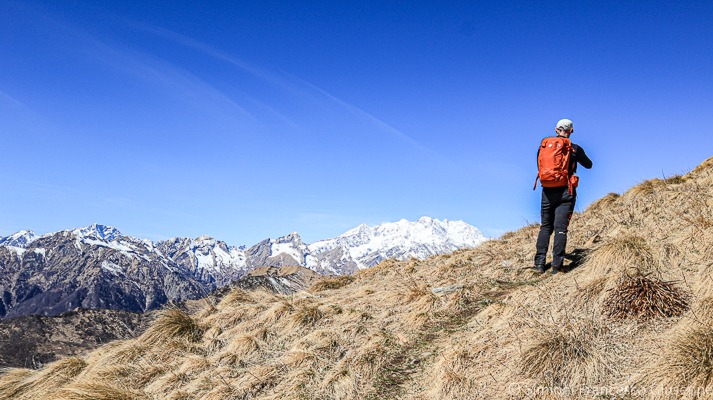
<point>556,211</point>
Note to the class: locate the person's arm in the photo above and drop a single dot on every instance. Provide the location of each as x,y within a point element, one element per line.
<point>582,158</point>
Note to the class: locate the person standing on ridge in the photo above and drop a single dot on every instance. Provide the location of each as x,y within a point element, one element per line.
<point>557,160</point>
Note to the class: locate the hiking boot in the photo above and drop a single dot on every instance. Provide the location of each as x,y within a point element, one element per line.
<point>540,269</point>
<point>556,269</point>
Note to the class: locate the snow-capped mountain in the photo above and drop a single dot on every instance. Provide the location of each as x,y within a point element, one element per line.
<point>19,239</point>
<point>99,267</point>
<point>209,260</point>
<point>283,251</point>
<point>93,267</point>
<point>365,246</point>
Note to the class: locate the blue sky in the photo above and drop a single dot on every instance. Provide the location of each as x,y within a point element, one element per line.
<point>248,120</point>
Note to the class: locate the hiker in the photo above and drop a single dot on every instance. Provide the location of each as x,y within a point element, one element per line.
<point>557,160</point>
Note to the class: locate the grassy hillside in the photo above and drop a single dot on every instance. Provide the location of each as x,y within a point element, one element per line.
<point>632,320</point>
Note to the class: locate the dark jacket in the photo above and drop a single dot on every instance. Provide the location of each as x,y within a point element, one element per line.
<point>578,157</point>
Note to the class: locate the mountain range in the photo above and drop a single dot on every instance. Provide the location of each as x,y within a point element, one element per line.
<point>99,267</point>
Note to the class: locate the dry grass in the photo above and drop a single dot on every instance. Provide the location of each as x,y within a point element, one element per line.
<point>236,297</point>
<point>173,324</point>
<point>330,283</point>
<point>307,315</point>
<point>604,202</point>
<point>685,367</point>
<point>456,377</point>
<point>98,391</point>
<point>624,254</point>
<point>643,298</point>
<point>11,380</point>
<point>706,167</point>
<point>569,354</point>
<point>47,381</point>
<point>645,188</point>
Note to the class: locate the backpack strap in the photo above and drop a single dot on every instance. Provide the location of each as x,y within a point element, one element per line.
<point>569,167</point>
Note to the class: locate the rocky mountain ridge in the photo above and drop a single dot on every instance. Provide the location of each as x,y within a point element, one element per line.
<point>99,267</point>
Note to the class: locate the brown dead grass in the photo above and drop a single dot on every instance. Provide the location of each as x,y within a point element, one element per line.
<point>173,324</point>
<point>685,367</point>
<point>569,354</point>
<point>330,283</point>
<point>624,254</point>
<point>98,392</point>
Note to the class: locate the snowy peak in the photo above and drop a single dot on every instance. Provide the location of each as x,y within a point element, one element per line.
<point>211,261</point>
<point>283,251</point>
<point>19,239</point>
<point>97,232</point>
<point>365,246</point>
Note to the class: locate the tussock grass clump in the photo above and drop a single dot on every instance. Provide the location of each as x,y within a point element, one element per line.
<point>675,180</point>
<point>573,354</point>
<point>703,313</point>
<point>705,166</point>
<point>643,298</point>
<point>278,310</point>
<point>11,380</point>
<point>326,344</point>
<point>419,292</point>
<point>212,339</point>
<point>455,376</point>
<point>645,188</point>
<point>257,381</point>
<point>686,366</point>
<point>604,202</point>
<point>243,345</point>
<point>307,315</point>
<point>236,297</point>
<point>47,381</point>
<point>296,359</point>
<point>626,254</point>
<point>329,283</point>
<point>69,367</point>
<point>592,291</point>
<point>174,324</point>
<point>98,391</point>
<point>126,352</point>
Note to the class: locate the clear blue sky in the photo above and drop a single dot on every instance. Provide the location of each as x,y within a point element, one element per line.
<point>247,120</point>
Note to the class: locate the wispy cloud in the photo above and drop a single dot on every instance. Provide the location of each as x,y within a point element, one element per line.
<point>144,66</point>
<point>287,82</point>
<point>8,100</point>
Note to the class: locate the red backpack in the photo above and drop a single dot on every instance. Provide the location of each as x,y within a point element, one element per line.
<point>553,163</point>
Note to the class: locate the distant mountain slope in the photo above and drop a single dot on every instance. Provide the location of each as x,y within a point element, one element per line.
<point>99,267</point>
<point>32,341</point>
